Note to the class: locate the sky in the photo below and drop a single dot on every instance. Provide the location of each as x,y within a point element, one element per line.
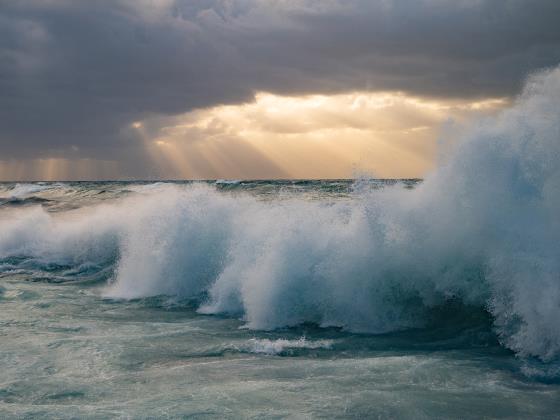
<point>255,89</point>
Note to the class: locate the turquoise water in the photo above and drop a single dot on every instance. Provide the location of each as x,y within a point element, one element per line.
<point>127,300</point>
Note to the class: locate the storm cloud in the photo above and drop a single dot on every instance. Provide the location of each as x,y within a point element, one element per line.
<point>74,75</point>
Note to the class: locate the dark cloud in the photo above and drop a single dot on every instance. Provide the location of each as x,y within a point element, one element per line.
<point>75,74</point>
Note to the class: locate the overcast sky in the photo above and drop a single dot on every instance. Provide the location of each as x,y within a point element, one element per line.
<point>86,87</point>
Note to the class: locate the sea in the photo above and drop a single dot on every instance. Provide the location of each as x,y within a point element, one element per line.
<point>362,298</point>
<point>278,299</point>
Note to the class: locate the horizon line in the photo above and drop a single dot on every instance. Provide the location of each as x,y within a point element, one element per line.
<point>214,180</point>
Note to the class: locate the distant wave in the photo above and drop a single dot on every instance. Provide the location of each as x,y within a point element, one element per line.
<point>484,229</point>
<point>228,181</point>
<point>23,190</point>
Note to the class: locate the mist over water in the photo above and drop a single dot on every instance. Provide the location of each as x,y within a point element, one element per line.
<point>471,254</point>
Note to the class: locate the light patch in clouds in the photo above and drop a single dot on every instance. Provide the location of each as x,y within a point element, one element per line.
<point>384,134</point>
<point>313,136</point>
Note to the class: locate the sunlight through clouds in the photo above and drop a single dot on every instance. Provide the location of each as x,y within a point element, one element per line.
<point>387,135</point>
<point>314,136</point>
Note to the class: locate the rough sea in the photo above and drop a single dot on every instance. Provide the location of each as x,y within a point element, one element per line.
<point>294,299</point>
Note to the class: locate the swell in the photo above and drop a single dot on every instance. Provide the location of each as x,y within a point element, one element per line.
<point>482,230</point>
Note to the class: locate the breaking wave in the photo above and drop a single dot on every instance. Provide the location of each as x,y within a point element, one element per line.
<point>484,229</point>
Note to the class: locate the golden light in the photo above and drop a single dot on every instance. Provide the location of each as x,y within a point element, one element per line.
<point>58,169</point>
<point>314,136</point>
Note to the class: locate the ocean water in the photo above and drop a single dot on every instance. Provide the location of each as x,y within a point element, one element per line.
<point>294,299</point>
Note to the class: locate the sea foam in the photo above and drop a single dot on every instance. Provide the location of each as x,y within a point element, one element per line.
<point>281,346</point>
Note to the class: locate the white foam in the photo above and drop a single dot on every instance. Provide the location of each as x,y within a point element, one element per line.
<point>275,347</point>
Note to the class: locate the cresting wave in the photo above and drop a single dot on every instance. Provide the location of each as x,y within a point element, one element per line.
<point>483,229</point>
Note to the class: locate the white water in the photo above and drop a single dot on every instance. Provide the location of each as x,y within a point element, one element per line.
<point>484,228</point>
<point>280,346</point>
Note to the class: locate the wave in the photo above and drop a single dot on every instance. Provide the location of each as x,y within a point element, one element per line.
<point>228,181</point>
<point>483,229</point>
<point>19,191</point>
<point>23,201</point>
<point>284,347</point>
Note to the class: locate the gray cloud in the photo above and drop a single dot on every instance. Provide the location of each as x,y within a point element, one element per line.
<point>75,74</point>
